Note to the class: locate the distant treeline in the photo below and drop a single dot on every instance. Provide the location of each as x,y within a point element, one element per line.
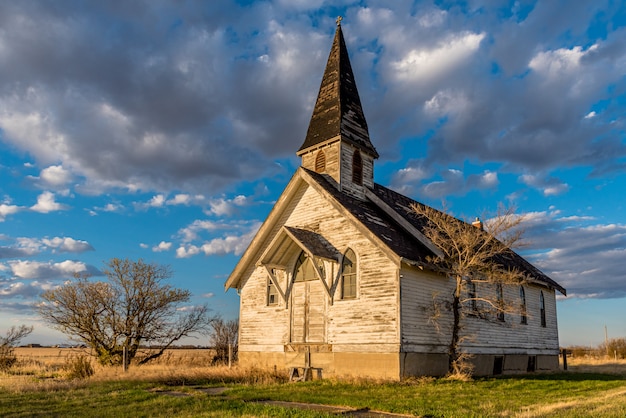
<point>614,348</point>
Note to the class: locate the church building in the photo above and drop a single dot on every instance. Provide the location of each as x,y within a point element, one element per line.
<point>337,278</point>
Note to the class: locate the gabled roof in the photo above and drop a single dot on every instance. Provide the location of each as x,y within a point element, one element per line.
<point>338,113</point>
<point>385,217</point>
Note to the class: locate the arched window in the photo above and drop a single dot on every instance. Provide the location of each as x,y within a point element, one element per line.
<point>357,168</point>
<point>348,275</point>
<point>304,269</point>
<point>542,309</point>
<point>472,295</point>
<point>522,305</point>
<point>500,295</point>
<point>320,162</point>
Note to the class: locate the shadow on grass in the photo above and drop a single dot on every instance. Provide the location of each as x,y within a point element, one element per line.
<point>564,376</point>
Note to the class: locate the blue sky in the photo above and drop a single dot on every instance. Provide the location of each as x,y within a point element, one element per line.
<point>166,130</point>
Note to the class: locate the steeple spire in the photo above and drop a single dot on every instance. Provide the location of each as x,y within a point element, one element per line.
<point>338,114</point>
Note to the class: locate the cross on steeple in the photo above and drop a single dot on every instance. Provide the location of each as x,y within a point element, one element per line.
<point>339,19</point>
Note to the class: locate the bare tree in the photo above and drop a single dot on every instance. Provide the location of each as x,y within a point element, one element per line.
<point>10,340</point>
<point>224,334</point>
<point>134,308</point>
<point>472,255</point>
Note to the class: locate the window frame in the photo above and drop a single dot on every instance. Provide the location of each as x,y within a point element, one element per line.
<point>523,311</point>
<point>500,297</point>
<point>353,276</point>
<point>542,310</point>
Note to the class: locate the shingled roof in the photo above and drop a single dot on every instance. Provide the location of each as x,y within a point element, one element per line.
<point>386,227</point>
<point>338,111</point>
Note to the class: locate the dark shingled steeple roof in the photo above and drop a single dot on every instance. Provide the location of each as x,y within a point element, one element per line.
<point>338,110</point>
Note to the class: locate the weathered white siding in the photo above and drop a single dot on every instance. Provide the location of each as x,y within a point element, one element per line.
<point>484,333</point>
<point>368,321</point>
<point>423,329</point>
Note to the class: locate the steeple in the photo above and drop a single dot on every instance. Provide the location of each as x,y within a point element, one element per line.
<point>338,127</point>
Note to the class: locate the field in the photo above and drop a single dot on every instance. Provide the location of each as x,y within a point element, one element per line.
<point>183,384</point>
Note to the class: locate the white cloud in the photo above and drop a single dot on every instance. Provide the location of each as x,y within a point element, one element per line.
<point>225,207</point>
<point>163,246</point>
<point>46,203</point>
<point>231,244</point>
<point>55,176</point>
<point>6,210</point>
<point>67,245</point>
<point>549,186</point>
<point>426,64</point>
<point>39,270</point>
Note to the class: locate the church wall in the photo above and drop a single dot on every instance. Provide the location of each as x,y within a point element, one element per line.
<point>492,336</point>
<point>361,331</point>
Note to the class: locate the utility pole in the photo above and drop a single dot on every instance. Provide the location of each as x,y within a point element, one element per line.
<point>606,340</point>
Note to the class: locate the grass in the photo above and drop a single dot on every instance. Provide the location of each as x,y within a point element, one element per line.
<point>589,389</point>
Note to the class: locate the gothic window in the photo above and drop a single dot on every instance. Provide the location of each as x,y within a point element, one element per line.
<point>522,307</point>
<point>304,269</point>
<point>542,309</point>
<point>357,168</point>
<point>472,296</point>
<point>500,296</point>
<point>320,162</point>
<point>348,275</point>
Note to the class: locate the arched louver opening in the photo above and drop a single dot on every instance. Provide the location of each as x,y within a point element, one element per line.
<point>320,162</point>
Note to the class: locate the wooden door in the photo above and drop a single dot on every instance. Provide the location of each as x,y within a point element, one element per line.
<point>308,312</point>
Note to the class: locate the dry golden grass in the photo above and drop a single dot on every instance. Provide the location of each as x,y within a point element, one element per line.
<point>596,365</point>
<point>44,369</point>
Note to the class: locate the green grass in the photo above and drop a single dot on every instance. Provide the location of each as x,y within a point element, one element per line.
<point>566,394</point>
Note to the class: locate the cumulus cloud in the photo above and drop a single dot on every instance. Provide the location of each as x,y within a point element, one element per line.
<point>36,270</point>
<point>25,246</point>
<point>229,244</point>
<point>583,256</point>
<point>163,246</point>
<point>46,203</point>
<point>54,177</point>
<point>549,186</point>
<point>6,210</point>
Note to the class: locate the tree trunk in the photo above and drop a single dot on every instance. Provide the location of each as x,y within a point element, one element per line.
<point>453,349</point>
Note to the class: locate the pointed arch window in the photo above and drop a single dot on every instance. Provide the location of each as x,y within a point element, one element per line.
<point>320,162</point>
<point>471,294</point>
<point>357,168</point>
<point>304,269</point>
<point>500,295</point>
<point>349,275</point>
<point>522,307</point>
<point>542,309</point>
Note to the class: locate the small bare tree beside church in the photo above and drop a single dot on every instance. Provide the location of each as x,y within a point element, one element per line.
<point>473,256</point>
<point>119,317</point>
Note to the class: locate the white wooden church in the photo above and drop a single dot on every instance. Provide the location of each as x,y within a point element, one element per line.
<point>336,277</point>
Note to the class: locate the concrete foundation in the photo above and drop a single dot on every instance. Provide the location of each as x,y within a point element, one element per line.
<point>395,366</point>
